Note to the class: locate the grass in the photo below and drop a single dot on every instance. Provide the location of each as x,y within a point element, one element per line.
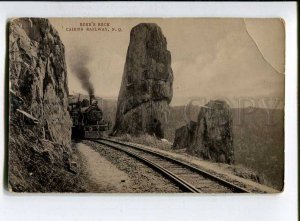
<point>147,140</point>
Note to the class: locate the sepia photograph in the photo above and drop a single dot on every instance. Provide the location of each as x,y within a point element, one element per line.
<point>146,105</point>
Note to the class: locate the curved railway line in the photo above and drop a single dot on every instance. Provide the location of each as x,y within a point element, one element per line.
<point>185,176</point>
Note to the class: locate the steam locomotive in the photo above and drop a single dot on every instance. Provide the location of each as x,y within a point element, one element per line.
<point>87,119</point>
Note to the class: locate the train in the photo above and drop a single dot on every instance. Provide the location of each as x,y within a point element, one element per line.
<point>87,119</point>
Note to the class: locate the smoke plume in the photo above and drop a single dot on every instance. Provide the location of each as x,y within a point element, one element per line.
<point>79,62</point>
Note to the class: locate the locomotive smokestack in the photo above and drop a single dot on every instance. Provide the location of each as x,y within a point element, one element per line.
<point>92,97</point>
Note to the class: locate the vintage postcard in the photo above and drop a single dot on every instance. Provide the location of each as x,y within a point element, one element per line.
<point>146,105</point>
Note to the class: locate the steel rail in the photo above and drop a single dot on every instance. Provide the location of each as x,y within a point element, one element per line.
<point>180,182</point>
<point>223,182</point>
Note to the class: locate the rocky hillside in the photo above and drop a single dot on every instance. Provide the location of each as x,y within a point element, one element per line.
<point>146,88</point>
<point>40,154</point>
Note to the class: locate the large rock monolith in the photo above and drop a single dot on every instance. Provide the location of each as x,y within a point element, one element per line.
<point>146,88</point>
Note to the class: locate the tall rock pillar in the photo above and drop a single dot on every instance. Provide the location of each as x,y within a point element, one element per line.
<point>146,89</point>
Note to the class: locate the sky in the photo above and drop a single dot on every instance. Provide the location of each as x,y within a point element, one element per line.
<point>211,58</point>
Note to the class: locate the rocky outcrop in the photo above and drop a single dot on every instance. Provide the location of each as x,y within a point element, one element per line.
<point>40,151</point>
<point>213,136</point>
<point>146,88</point>
<point>184,136</point>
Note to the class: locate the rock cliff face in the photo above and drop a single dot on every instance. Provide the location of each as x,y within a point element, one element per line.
<point>40,125</point>
<point>38,75</point>
<point>146,88</point>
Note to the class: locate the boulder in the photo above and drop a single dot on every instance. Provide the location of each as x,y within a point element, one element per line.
<point>184,136</point>
<point>146,88</point>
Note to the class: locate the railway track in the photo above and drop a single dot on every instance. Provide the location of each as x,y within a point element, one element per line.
<point>185,176</point>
